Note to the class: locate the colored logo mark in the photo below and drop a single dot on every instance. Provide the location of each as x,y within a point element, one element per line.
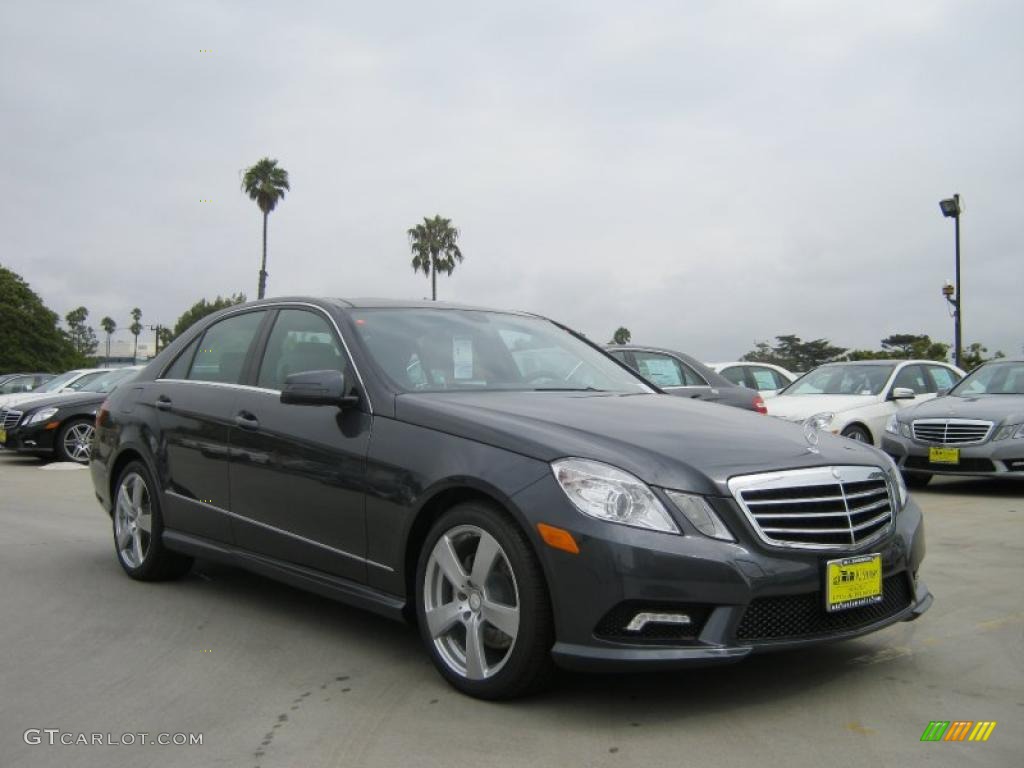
<point>958,730</point>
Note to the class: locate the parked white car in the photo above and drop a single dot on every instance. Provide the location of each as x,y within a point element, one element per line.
<point>856,399</point>
<point>69,381</point>
<point>766,378</point>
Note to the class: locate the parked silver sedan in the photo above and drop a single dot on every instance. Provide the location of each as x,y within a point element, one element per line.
<point>976,429</point>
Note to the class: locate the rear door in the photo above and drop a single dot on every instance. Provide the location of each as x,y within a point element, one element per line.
<point>297,471</point>
<point>195,404</point>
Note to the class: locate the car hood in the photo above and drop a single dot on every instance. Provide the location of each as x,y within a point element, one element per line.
<point>16,401</point>
<point>63,400</point>
<point>666,441</point>
<point>799,407</point>
<point>1007,409</point>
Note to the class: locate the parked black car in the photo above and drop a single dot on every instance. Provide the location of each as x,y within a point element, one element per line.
<point>60,425</point>
<point>503,482</point>
<point>684,376</point>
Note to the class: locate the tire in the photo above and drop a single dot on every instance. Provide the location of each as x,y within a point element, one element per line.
<point>858,433</point>
<point>74,441</point>
<point>916,480</point>
<point>142,553</point>
<point>502,663</point>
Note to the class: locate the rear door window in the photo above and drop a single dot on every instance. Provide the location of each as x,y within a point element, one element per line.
<point>224,348</point>
<point>913,377</point>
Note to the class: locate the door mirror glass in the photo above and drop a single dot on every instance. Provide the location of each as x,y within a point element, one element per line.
<point>903,393</point>
<point>317,388</point>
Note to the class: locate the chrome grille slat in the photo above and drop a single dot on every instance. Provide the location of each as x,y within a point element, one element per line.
<point>9,418</point>
<point>841,507</point>
<point>951,431</point>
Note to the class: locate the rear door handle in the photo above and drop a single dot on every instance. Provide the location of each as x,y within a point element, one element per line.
<point>163,403</point>
<point>246,420</point>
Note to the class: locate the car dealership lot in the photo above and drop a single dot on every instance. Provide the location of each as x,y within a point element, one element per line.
<point>272,676</point>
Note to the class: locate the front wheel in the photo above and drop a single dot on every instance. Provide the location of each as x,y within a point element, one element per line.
<point>74,441</point>
<point>482,604</point>
<point>857,433</point>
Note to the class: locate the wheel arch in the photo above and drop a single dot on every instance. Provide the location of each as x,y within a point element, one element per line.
<point>860,424</point>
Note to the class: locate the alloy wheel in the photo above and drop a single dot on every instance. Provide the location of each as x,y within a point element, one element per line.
<point>471,602</point>
<point>77,441</point>
<point>133,520</point>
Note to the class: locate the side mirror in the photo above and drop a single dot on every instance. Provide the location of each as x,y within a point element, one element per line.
<point>943,392</point>
<point>317,388</point>
<point>902,393</point>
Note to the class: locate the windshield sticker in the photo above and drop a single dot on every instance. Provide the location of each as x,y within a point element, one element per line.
<point>462,357</point>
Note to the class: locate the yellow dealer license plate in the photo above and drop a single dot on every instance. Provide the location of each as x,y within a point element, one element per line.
<point>944,455</point>
<point>853,582</point>
<point>3,436</point>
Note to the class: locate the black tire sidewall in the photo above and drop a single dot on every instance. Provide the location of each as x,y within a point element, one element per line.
<point>865,437</point>
<point>531,652</point>
<point>154,563</point>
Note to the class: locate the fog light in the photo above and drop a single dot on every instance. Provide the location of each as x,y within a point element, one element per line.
<point>641,620</point>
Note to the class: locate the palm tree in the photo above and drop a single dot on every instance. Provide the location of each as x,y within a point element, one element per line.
<point>266,184</point>
<point>109,326</point>
<point>621,336</point>
<point>136,329</point>
<point>434,245</point>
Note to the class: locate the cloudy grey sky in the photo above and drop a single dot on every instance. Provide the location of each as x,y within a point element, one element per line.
<point>705,173</point>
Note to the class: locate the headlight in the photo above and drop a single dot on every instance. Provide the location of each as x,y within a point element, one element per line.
<point>892,426</point>
<point>700,513</point>
<point>602,491</point>
<point>1015,430</point>
<point>41,415</point>
<point>820,421</point>
<point>898,483</point>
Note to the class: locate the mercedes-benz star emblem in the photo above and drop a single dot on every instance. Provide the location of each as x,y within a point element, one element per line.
<point>811,436</point>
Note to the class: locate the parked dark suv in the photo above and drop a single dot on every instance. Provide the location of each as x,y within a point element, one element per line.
<point>495,477</point>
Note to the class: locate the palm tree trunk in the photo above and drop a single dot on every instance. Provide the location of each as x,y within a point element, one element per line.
<point>433,282</point>
<point>135,352</point>
<point>263,264</point>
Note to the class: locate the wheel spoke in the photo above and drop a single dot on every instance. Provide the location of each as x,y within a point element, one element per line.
<point>124,502</point>
<point>123,536</point>
<point>442,618</point>
<point>448,562</point>
<point>137,546</point>
<point>504,617</point>
<point>486,555</point>
<point>137,488</point>
<point>145,521</point>
<point>476,664</point>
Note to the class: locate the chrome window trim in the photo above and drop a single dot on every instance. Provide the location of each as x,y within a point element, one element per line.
<point>337,329</point>
<point>955,422</point>
<point>281,531</point>
<point>797,478</point>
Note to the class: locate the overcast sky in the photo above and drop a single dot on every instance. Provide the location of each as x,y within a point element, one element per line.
<point>707,174</point>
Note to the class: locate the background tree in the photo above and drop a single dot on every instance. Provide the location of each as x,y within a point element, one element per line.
<point>793,354</point>
<point>974,355</point>
<point>265,183</point>
<point>136,329</point>
<point>82,336</point>
<point>904,346</point>
<point>164,336</point>
<point>621,335</point>
<point>30,336</point>
<point>109,326</point>
<point>201,309</point>
<point>435,248</point>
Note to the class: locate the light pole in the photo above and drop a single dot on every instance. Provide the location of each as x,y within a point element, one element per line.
<point>951,209</point>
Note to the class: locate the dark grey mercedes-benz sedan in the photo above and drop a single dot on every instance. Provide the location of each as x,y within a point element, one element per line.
<point>522,496</point>
<point>977,429</point>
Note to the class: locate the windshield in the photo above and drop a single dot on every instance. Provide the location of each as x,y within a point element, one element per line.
<point>435,350</point>
<point>992,379</point>
<point>842,380</point>
<point>82,384</point>
<point>57,383</point>
<point>16,384</point>
<point>107,381</point>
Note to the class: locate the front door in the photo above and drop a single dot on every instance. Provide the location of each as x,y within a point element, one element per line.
<point>297,471</point>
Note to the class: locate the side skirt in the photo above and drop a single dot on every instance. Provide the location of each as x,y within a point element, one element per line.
<point>333,587</point>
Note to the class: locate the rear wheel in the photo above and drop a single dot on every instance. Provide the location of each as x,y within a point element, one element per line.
<point>482,604</point>
<point>74,441</point>
<point>916,480</point>
<point>138,525</point>
<point>858,433</point>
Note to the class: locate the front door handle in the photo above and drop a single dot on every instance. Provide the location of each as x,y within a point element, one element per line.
<point>246,420</point>
<point>163,403</point>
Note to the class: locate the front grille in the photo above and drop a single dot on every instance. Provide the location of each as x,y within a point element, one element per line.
<point>965,464</point>
<point>613,625</point>
<point>794,617</point>
<point>8,418</point>
<point>823,507</point>
<point>951,431</point>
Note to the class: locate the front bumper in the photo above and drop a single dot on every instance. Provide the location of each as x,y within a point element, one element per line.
<point>30,439</point>
<point>1004,458</point>
<point>744,597</point>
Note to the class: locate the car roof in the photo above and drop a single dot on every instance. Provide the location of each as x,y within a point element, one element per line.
<point>884,362</point>
<point>375,303</point>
